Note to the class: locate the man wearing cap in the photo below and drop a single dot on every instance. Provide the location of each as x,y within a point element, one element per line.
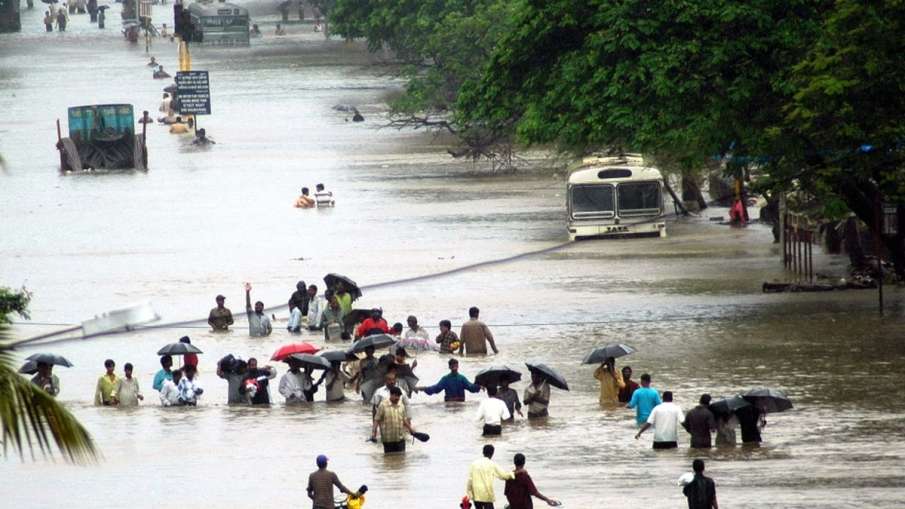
<point>321,483</point>
<point>221,317</point>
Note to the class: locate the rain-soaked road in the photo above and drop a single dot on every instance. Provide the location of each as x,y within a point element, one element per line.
<point>201,222</point>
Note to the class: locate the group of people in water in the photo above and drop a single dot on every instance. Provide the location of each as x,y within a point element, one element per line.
<point>59,17</point>
<point>169,108</point>
<point>386,382</point>
<point>321,198</point>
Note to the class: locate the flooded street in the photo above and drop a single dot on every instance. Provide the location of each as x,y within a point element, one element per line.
<point>203,221</point>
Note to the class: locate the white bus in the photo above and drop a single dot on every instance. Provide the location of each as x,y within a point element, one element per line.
<point>615,196</point>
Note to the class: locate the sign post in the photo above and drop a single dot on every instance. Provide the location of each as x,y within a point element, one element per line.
<point>193,94</point>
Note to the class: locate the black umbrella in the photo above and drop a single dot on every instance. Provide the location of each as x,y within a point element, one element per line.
<point>492,375</point>
<point>179,349</point>
<point>49,358</point>
<point>549,374</point>
<point>768,400</point>
<point>335,355</point>
<point>351,286</point>
<point>29,368</point>
<point>726,406</point>
<point>306,359</point>
<point>170,89</point>
<point>377,341</point>
<point>603,353</point>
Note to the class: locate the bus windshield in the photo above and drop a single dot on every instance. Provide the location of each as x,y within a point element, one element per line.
<point>590,201</point>
<point>639,199</point>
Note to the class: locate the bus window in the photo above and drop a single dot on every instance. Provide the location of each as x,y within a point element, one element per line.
<point>639,199</point>
<point>592,201</point>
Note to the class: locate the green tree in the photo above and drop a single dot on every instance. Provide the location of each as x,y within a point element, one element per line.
<point>440,45</point>
<point>843,133</point>
<point>29,417</point>
<point>687,80</point>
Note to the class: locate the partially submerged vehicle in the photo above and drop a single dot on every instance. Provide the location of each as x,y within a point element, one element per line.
<point>220,24</point>
<point>102,137</point>
<point>615,196</point>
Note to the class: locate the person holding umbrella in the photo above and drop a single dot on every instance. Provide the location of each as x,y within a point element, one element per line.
<point>46,380</point>
<point>294,383</point>
<point>509,396</point>
<point>537,396</point>
<point>453,384</point>
<point>610,382</point>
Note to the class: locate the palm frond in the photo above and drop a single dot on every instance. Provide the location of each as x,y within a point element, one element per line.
<point>30,418</point>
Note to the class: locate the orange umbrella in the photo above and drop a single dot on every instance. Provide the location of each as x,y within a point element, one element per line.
<point>287,350</point>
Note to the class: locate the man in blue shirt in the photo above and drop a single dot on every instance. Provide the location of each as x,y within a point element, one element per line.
<point>166,362</point>
<point>453,385</point>
<point>644,399</point>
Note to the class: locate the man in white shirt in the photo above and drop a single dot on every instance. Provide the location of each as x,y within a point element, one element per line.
<point>492,412</point>
<point>169,392</point>
<point>665,419</point>
<point>336,379</point>
<point>294,383</point>
<point>189,390</point>
<point>323,197</point>
<point>316,306</point>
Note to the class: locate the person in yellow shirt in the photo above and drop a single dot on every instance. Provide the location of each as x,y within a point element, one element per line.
<point>481,475</point>
<point>610,382</point>
<point>105,394</point>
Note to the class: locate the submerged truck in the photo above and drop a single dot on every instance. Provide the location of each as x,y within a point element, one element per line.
<point>102,137</point>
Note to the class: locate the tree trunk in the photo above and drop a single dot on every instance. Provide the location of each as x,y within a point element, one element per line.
<point>853,243</point>
<point>691,192</point>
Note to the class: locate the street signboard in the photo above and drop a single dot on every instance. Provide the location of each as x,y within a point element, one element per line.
<point>890,219</point>
<point>193,93</point>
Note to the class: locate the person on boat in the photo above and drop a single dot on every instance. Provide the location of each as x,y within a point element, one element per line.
<point>160,74</point>
<point>304,201</point>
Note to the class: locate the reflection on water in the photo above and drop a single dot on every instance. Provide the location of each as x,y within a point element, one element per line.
<point>202,222</point>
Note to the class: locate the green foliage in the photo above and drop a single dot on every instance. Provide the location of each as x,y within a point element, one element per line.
<point>30,417</point>
<point>442,44</point>
<point>13,301</point>
<point>688,80</point>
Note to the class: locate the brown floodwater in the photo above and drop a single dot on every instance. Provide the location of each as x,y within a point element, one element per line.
<point>201,222</point>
